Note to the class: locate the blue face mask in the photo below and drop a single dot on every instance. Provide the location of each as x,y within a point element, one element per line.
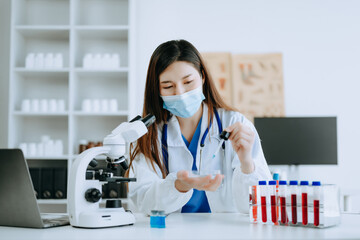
<point>184,105</point>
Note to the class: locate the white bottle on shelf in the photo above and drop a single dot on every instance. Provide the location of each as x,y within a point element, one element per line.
<point>96,105</point>
<point>40,149</point>
<point>104,105</point>
<point>97,62</point>
<point>49,148</point>
<point>25,105</point>
<point>59,149</point>
<point>43,105</point>
<point>88,61</point>
<point>35,105</point>
<point>60,105</point>
<point>113,105</point>
<point>30,61</point>
<point>86,105</point>
<point>49,60</point>
<point>31,149</point>
<point>107,61</point>
<point>24,147</point>
<point>39,60</point>
<point>58,61</point>
<point>52,105</point>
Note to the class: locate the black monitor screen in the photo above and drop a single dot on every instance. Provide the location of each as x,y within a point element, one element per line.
<point>298,140</point>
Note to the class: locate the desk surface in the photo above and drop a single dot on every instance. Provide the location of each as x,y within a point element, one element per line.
<point>192,226</point>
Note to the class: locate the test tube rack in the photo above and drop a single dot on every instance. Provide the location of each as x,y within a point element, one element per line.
<point>326,214</point>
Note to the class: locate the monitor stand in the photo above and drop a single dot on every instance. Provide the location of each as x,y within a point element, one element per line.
<point>293,172</point>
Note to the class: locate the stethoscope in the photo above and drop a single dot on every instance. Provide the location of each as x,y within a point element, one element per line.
<point>164,145</point>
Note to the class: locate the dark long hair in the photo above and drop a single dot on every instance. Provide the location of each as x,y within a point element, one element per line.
<point>163,56</point>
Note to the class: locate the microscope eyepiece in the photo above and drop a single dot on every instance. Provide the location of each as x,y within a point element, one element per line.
<point>148,120</point>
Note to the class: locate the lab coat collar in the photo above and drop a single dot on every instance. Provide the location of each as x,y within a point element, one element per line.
<point>174,138</point>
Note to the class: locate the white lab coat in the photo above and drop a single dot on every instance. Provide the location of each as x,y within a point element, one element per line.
<point>152,192</point>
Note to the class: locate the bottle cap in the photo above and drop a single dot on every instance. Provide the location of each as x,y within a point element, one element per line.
<point>225,135</point>
<point>272,182</point>
<point>276,176</point>
<point>282,182</point>
<point>262,182</point>
<point>304,183</point>
<point>316,183</point>
<point>293,182</point>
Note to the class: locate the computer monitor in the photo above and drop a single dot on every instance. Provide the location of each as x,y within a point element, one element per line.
<point>298,140</point>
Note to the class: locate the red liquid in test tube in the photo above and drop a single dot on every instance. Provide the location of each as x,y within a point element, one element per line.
<point>283,210</point>
<point>317,193</point>
<point>304,201</point>
<point>304,208</point>
<point>294,208</point>
<point>294,193</point>
<point>316,212</point>
<point>263,194</point>
<point>263,209</point>
<point>273,209</point>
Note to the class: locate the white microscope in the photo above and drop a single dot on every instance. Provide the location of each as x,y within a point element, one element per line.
<point>84,195</point>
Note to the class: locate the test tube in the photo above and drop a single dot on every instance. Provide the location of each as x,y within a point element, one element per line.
<point>294,192</point>
<point>316,187</point>
<point>273,200</point>
<point>304,201</point>
<point>282,193</point>
<point>253,201</point>
<point>263,193</point>
<point>276,177</point>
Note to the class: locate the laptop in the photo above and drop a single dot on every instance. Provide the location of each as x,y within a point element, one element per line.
<point>18,204</point>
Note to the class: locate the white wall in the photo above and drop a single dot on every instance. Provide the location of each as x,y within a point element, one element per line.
<point>320,43</point>
<point>4,69</point>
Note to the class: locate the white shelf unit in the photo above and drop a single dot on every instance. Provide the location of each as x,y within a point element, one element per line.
<point>72,28</point>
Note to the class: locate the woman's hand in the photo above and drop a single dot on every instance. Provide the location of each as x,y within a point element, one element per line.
<point>184,183</point>
<point>242,139</point>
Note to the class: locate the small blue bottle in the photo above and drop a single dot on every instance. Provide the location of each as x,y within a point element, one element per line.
<point>157,219</point>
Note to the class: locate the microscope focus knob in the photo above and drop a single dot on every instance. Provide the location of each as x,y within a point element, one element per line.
<point>93,195</point>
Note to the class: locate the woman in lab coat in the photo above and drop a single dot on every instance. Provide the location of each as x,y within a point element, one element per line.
<point>190,115</point>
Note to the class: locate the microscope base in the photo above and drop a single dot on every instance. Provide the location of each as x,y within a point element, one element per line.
<point>104,218</point>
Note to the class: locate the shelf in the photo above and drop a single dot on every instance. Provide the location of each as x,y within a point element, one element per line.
<point>45,114</point>
<point>101,41</point>
<point>25,28</point>
<point>72,28</point>
<point>52,201</point>
<point>102,71</point>
<point>42,70</point>
<point>41,12</point>
<point>40,85</point>
<point>118,113</point>
<point>47,33</point>
<point>40,41</point>
<point>64,201</point>
<point>101,12</point>
<point>61,158</point>
<point>30,128</point>
<point>102,27</point>
<point>94,128</point>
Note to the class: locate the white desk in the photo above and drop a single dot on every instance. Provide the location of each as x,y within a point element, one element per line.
<point>192,226</point>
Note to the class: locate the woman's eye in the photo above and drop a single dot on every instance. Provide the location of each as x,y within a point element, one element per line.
<point>167,87</point>
<point>188,82</point>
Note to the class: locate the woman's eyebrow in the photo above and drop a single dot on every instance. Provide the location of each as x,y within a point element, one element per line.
<point>166,81</point>
<point>169,81</point>
<point>186,76</point>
